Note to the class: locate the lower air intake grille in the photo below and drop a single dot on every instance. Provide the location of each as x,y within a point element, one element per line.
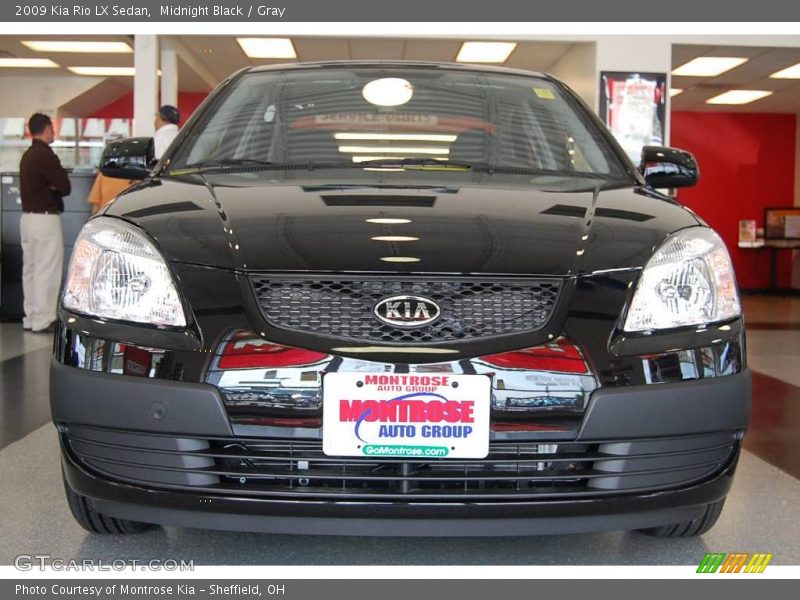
<point>297,468</point>
<point>469,309</point>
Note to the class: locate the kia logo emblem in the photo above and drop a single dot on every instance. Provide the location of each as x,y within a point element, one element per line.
<point>406,311</point>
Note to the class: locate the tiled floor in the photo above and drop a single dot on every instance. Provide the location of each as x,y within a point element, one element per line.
<point>775,353</point>
<point>767,308</point>
<point>16,342</point>
<point>759,515</point>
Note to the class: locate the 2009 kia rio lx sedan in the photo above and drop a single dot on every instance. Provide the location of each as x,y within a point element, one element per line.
<point>398,299</point>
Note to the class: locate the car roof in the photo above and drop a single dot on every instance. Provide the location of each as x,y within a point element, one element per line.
<point>325,64</point>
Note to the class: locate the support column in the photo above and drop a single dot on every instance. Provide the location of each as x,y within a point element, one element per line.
<point>169,73</point>
<point>145,84</point>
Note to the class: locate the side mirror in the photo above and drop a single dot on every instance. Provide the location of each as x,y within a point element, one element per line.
<point>664,167</point>
<point>130,158</point>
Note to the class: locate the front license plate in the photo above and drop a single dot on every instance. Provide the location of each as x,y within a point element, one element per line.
<point>405,416</point>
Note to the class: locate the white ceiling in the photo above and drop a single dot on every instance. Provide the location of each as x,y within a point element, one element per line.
<point>212,58</point>
<point>221,55</point>
<point>752,75</point>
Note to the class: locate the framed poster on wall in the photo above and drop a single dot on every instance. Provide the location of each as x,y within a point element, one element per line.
<point>633,106</point>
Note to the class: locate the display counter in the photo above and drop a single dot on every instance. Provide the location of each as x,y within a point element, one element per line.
<point>774,247</point>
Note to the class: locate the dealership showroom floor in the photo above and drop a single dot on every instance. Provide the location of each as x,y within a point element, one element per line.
<point>760,514</point>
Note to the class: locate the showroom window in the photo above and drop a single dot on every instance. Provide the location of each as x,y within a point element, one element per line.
<point>79,141</point>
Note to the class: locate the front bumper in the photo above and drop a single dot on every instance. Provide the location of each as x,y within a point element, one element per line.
<point>674,451</point>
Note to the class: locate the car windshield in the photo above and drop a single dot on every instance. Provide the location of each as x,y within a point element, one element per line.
<point>406,119</point>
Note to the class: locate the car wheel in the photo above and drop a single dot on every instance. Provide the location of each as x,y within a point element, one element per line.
<point>691,528</point>
<point>96,522</point>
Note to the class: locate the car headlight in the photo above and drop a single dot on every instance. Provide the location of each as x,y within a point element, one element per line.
<point>688,281</point>
<point>117,273</point>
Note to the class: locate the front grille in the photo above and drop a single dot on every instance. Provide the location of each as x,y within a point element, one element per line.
<point>298,469</point>
<point>469,309</point>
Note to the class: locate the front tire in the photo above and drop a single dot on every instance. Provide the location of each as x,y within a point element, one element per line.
<point>691,528</point>
<point>96,522</point>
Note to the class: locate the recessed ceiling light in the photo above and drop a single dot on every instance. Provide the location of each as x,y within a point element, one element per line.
<point>267,47</point>
<point>395,150</point>
<point>416,137</point>
<point>104,71</point>
<point>708,66</point>
<point>792,72</point>
<point>739,97</point>
<point>675,92</point>
<point>485,52</point>
<point>65,46</point>
<point>388,221</point>
<point>388,91</point>
<point>400,259</point>
<point>28,63</point>
<point>395,238</point>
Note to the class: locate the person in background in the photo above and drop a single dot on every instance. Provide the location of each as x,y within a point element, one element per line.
<point>167,119</point>
<point>105,189</point>
<point>43,184</point>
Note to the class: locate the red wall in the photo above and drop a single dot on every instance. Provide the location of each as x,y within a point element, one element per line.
<point>122,108</point>
<point>746,163</point>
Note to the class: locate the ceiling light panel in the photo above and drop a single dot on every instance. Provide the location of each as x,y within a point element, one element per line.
<point>792,72</point>
<point>78,47</point>
<point>267,47</point>
<point>27,63</point>
<point>393,150</point>
<point>104,71</point>
<point>400,259</point>
<point>739,97</point>
<point>388,221</point>
<point>485,52</point>
<point>708,66</point>
<point>395,137</point>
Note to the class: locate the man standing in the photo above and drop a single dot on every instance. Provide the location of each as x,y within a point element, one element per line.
<point>43,183</point>
<point>167,119</point>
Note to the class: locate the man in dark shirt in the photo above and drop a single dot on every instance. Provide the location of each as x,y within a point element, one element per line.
<point>43,183</point>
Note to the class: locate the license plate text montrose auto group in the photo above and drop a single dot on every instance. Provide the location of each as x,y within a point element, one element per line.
<point>392,415</point>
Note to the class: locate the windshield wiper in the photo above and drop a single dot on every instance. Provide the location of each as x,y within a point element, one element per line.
<point>223,163</point>
<point>432,164</point>
<point>414,163</point>
<point>251,164</point>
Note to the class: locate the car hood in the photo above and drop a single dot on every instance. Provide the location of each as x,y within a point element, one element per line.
<point>254,224</point>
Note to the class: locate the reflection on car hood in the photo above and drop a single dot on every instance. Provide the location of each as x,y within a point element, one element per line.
<point>474,228</point>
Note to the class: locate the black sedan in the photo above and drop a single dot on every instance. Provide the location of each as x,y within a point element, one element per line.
<point>398,299</point>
